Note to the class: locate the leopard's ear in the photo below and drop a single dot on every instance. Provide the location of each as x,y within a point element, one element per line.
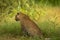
<point>17,13</point>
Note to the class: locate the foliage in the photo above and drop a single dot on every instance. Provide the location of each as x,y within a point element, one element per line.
<point>46,13</point>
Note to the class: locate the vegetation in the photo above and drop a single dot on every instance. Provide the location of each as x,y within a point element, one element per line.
<point>45,13</point>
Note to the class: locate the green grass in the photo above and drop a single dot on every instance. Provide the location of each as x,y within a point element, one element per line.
<point>49,29</point>
<point>14,29</point>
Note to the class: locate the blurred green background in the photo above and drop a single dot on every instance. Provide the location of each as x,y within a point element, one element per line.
<point>45,13</point>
